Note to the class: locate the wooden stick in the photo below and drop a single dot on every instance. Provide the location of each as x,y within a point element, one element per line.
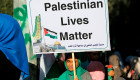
<point>74,69</point>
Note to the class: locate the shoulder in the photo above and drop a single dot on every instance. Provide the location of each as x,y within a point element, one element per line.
<point>86,73</point>
<point>62,76</point>
<point>86,76</point>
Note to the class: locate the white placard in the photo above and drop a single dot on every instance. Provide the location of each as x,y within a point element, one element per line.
<point>58,26</point>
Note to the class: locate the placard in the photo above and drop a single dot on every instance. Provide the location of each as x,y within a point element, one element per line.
<point>61,26</point>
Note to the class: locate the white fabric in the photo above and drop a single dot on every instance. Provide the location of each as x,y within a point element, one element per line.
<point>46,61</point>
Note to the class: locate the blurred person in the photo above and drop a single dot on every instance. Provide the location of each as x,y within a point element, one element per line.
<point>13,56</point>
<point>138,65</point>
<point>91,56</point>
<point>117,69</point>
<point>56,69</point>
<point>69,73</point>
<point>134,67</point>
<point>60,60</point>
<point>120,58</point>
<point>96,70</point>
<point>126,70</point>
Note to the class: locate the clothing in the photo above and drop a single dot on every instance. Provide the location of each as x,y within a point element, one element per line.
<point>138,65</point>
<point>12,43</point>
<point>85,76</point>
<point>120,78</point>
<point>45,62</point>
<point>96,70</point>
<point>114,61</point>
<point>85,64</point>
<point>134,62</point>
<point>81,73</point>
<point>120,58</point>
<point>54,72</point>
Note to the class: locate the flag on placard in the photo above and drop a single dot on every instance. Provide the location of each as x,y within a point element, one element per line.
<point>50,33</point>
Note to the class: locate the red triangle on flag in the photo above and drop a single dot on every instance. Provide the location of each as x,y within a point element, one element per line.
<point>45,31</point>
<point>132,71</point>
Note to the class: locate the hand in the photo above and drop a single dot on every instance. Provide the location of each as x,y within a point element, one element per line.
<point>106,65</point>
<point>76,78</point>
<point>126,68</point>
<point>111,73</point>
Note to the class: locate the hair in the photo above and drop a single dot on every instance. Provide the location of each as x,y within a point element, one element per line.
<point>69,54</point>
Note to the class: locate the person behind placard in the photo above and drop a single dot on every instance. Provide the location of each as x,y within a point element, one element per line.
<point>69,73</point>
<point>91,56</point>
<point>117,69</point>
<point>13,56</point>
<point>95,66</point>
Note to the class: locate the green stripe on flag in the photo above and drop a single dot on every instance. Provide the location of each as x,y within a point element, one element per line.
<point>52,36</point>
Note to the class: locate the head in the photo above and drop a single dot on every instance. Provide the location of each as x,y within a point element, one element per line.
<point>96,70</point>
<point>69,62</point>
<point>114,60</point>
<point>94,56</point>
<point>10,35</point>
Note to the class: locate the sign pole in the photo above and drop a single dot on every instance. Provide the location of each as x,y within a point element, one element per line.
<point>74,69</point>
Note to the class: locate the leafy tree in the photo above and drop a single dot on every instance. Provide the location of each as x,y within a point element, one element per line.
<point>6,7</point>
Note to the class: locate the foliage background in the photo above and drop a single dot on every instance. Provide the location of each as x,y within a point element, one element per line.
<point>6,6</point>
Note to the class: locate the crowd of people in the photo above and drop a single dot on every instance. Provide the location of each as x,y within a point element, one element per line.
<point>108,65</point>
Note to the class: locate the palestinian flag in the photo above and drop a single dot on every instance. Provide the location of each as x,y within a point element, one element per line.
<point>50,33</point>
